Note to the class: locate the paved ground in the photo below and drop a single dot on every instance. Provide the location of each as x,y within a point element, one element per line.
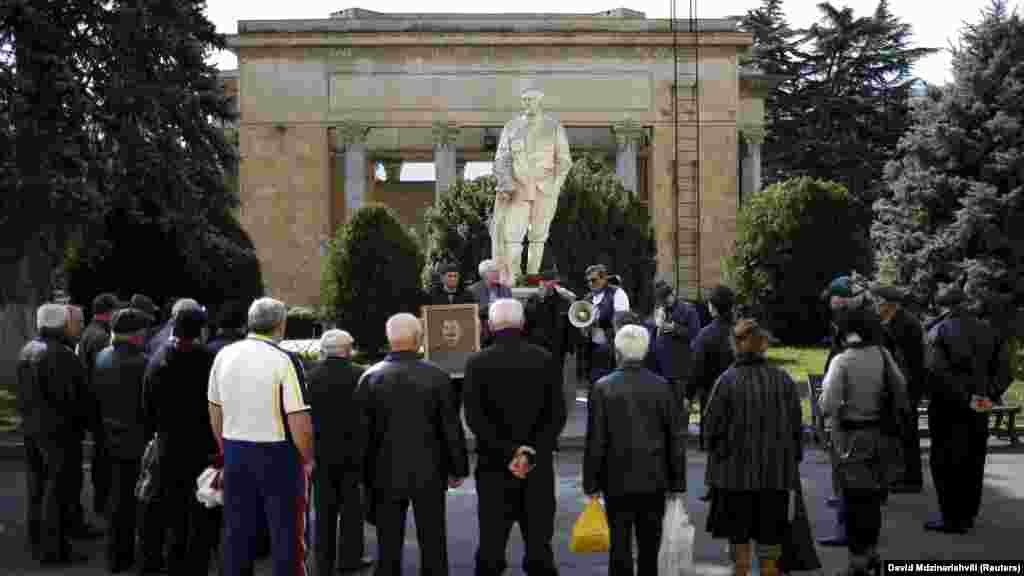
<point>997,535</point>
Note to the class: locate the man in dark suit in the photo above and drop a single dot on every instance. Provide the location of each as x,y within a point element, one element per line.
<point>903,336</point>
<point>516,408</point>
<point>413,448</point>
<point>117,379</point>
<point>547,317</point>
<point>50,378</point>
<point>635,452</point>
<point>487,290</point>
<point>676,327</point>
<point>451,290</point>
<point>332,386</point>
<point>95,338</point>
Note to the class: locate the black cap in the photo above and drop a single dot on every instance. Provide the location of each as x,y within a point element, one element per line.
<point>889,293</point>
<point>549,274</point>
<point>662,289</point>
<point>129,320</point>
<point>233,314</point>
<point>722,297</point>
<point>105,303</point>
<point>950,296</point>
<point>144,303</point>
<point>448,267</point>
<point>189,323</point>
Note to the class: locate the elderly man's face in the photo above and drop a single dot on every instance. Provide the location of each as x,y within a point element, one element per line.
<point>886,310</point>
<point>491,276</point>
<point>451,280</point>
<point>597,280</point>
<point>531,103</point>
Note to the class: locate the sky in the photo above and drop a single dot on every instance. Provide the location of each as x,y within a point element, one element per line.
<point>936,22</point>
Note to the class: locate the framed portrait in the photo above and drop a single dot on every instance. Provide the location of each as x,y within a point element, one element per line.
<point>451,334</point>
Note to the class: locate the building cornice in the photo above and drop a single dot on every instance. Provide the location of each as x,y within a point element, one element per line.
<point>306,40</point>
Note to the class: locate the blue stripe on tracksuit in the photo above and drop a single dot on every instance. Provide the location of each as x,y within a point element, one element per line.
<point>263,479</point>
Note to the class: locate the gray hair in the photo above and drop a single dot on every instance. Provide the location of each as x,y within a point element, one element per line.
<point>52,316</point>
<point>487,266</point>
<point>403,327</point>
<point>336,343</point>
<point>183,304</point>
<point>266,314</point>
<point>632,342</point>
<point>505,313</point>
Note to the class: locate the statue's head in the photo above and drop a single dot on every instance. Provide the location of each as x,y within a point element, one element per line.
<point>531,99</point>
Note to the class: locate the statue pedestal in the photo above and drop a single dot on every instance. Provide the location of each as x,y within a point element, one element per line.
<point>523,293</point>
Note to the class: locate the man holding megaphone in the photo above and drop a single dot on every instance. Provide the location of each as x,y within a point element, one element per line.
<point>597,321</point>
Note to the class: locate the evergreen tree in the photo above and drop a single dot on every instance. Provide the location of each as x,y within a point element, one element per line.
<point>844,104</point>
<point>954,213</point>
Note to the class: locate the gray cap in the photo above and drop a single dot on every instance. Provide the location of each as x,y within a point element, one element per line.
<point>950,296</point>
<point>889,293</point>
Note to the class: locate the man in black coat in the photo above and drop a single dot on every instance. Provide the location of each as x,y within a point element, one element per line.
<point>675,327</point>
<point>175,385</point>
<point>95,338</point>
<point>547,317</point>
<point>712,349</point>
<point>413,448</point>
<point>49,380</point>
<point>451,290</point>
<point>635,453</point>
<point>332,386</point>
<point>903,336</point>
<point>117,382</point>
<point>516,408</point>
<point>231,319</point>
<point>964,362</point>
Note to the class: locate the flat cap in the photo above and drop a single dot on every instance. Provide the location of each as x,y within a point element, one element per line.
<point>549,274</point>
<point>722,297</point>
<point>105,303</point>
<point>889,293</point>
<point>448,267</point>
<point>144,303</point>
<point>189,323</point>
<point>950,296</point>
<point>130,320</point>
<point>662,289</point>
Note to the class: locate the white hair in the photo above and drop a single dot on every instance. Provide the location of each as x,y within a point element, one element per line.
<point>51,316</point>
<point>266,314</point>
<point>505,313</point>
<point>336,343</point>
<point>487,266</point>
<point>632,341</point>
<point>403,327</point>
<point>184,304</point>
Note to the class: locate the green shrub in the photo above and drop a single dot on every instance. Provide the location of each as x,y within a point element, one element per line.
<point>793,238</point>
<point>597,221</point>
<point>371,272</point>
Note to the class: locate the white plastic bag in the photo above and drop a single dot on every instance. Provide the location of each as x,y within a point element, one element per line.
<point>206,493</point>
<point>676,554</point>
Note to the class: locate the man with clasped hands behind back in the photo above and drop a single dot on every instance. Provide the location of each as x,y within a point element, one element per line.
<point>516,408</point>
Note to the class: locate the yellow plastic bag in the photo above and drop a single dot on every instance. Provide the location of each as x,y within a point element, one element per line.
<point>591,533</point>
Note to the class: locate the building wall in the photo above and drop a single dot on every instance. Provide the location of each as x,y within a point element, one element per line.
<point>311,89</point>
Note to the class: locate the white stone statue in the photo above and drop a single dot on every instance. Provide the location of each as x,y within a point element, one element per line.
<point>531,164</point>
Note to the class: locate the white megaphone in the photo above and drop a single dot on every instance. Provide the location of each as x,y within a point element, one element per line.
<point>582,314</point>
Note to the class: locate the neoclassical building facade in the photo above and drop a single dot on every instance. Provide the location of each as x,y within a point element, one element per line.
<point>322,103</point>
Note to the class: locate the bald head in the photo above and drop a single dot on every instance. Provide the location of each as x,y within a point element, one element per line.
<point>505,313</point>
<point>404,332</point>
<point>336,344</point>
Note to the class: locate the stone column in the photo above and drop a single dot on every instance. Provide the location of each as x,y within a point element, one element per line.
<point>628,136</point>
<point>753,136</point>
<point>393,170</point>
<point>352,137</point>
<point>444,158</point>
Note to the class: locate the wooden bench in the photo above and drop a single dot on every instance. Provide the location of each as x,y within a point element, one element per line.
<point>999,411</point>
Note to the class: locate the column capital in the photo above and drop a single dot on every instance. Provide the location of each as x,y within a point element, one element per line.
<point>628,131</point>
<point>753,133</point>
<point>351,132</point>
<point>445,133</point>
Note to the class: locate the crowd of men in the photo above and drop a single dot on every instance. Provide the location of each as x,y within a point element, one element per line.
<point>376,441</point>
